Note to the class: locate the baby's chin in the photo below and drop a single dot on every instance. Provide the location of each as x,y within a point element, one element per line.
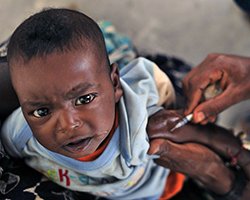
<point>82,147</point>
<point>79,146</point>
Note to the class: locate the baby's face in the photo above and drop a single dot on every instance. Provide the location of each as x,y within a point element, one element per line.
<point>68,100</point>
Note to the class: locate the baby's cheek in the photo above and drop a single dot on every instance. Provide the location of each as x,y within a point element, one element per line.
<point>45,139</point>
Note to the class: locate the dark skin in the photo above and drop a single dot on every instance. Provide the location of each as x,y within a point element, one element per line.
<point>217,176</point>
<point>172,156</point>
<point>232,73</point>
<point>204,146</point>
<point>64,108</point>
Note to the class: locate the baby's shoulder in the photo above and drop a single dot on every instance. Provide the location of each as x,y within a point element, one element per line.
<point>15,132</point>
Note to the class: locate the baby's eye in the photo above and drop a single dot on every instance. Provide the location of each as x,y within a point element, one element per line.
<point>42,112</point>
<point>85,99</point>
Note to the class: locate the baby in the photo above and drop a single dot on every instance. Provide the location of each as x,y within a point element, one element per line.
<point>81,122</point>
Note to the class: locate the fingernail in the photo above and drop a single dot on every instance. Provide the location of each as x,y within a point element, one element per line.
<point>200,116</point>
<point>155,150</point>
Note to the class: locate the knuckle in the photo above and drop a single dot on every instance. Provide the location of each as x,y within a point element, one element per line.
<point>164,149</point>
<point>185,80</point>
<point>220,59</point>
<point>211,55</point>
<point>213,111</point>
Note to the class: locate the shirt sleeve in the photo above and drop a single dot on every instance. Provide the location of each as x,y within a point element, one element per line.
<point>15,134</point>
<point>165,88</point>
<point>140,100</point>
<point>145,78</point>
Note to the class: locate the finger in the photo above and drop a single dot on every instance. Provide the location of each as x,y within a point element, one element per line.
<point>213,107</point>
<point>192,100</point>
<point>188,88</point>
<point>155,146</point>
<point>189,75</point>
<point>204,122</point>
<point>194,86</point>
<point>165,162</point>
<point>197,88</point>
<point>209,119</point>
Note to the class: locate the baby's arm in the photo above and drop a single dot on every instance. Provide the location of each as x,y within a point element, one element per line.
<point>195,160</point>
<point>218,139</point>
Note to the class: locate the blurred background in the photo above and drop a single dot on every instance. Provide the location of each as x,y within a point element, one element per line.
<point>188,29</point>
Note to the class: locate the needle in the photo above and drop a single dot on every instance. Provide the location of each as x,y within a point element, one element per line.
<point>210,92</point>
<point>182,122</point>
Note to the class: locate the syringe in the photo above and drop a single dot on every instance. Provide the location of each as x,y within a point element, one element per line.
<point>210,92</point>
<point>182,122</point>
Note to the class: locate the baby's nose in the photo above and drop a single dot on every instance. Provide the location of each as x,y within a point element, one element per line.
<point>68,121</point>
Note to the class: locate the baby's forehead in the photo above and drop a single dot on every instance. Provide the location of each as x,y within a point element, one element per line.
<point>60,73</point>
<point>64,62</point>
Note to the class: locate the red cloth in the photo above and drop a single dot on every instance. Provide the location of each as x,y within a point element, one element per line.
<point>174,185</point>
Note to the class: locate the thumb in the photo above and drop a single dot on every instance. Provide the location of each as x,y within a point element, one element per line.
<point>158,147</point>
<point>212,107</point>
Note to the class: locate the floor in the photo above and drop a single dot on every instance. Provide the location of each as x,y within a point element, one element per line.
<point>188,29</point>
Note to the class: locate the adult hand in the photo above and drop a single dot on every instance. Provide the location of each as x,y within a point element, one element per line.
<point>215,137</point>
<point>195,161</point>
<point>231,71</point>
<point>160,124</point>
<point>192,159</point>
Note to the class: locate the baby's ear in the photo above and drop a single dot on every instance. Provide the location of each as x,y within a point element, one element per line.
<point>115,78</point>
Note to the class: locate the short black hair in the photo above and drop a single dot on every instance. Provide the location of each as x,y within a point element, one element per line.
<point>51,30</point>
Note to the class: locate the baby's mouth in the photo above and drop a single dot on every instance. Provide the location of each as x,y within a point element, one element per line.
<point>78,145</point>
